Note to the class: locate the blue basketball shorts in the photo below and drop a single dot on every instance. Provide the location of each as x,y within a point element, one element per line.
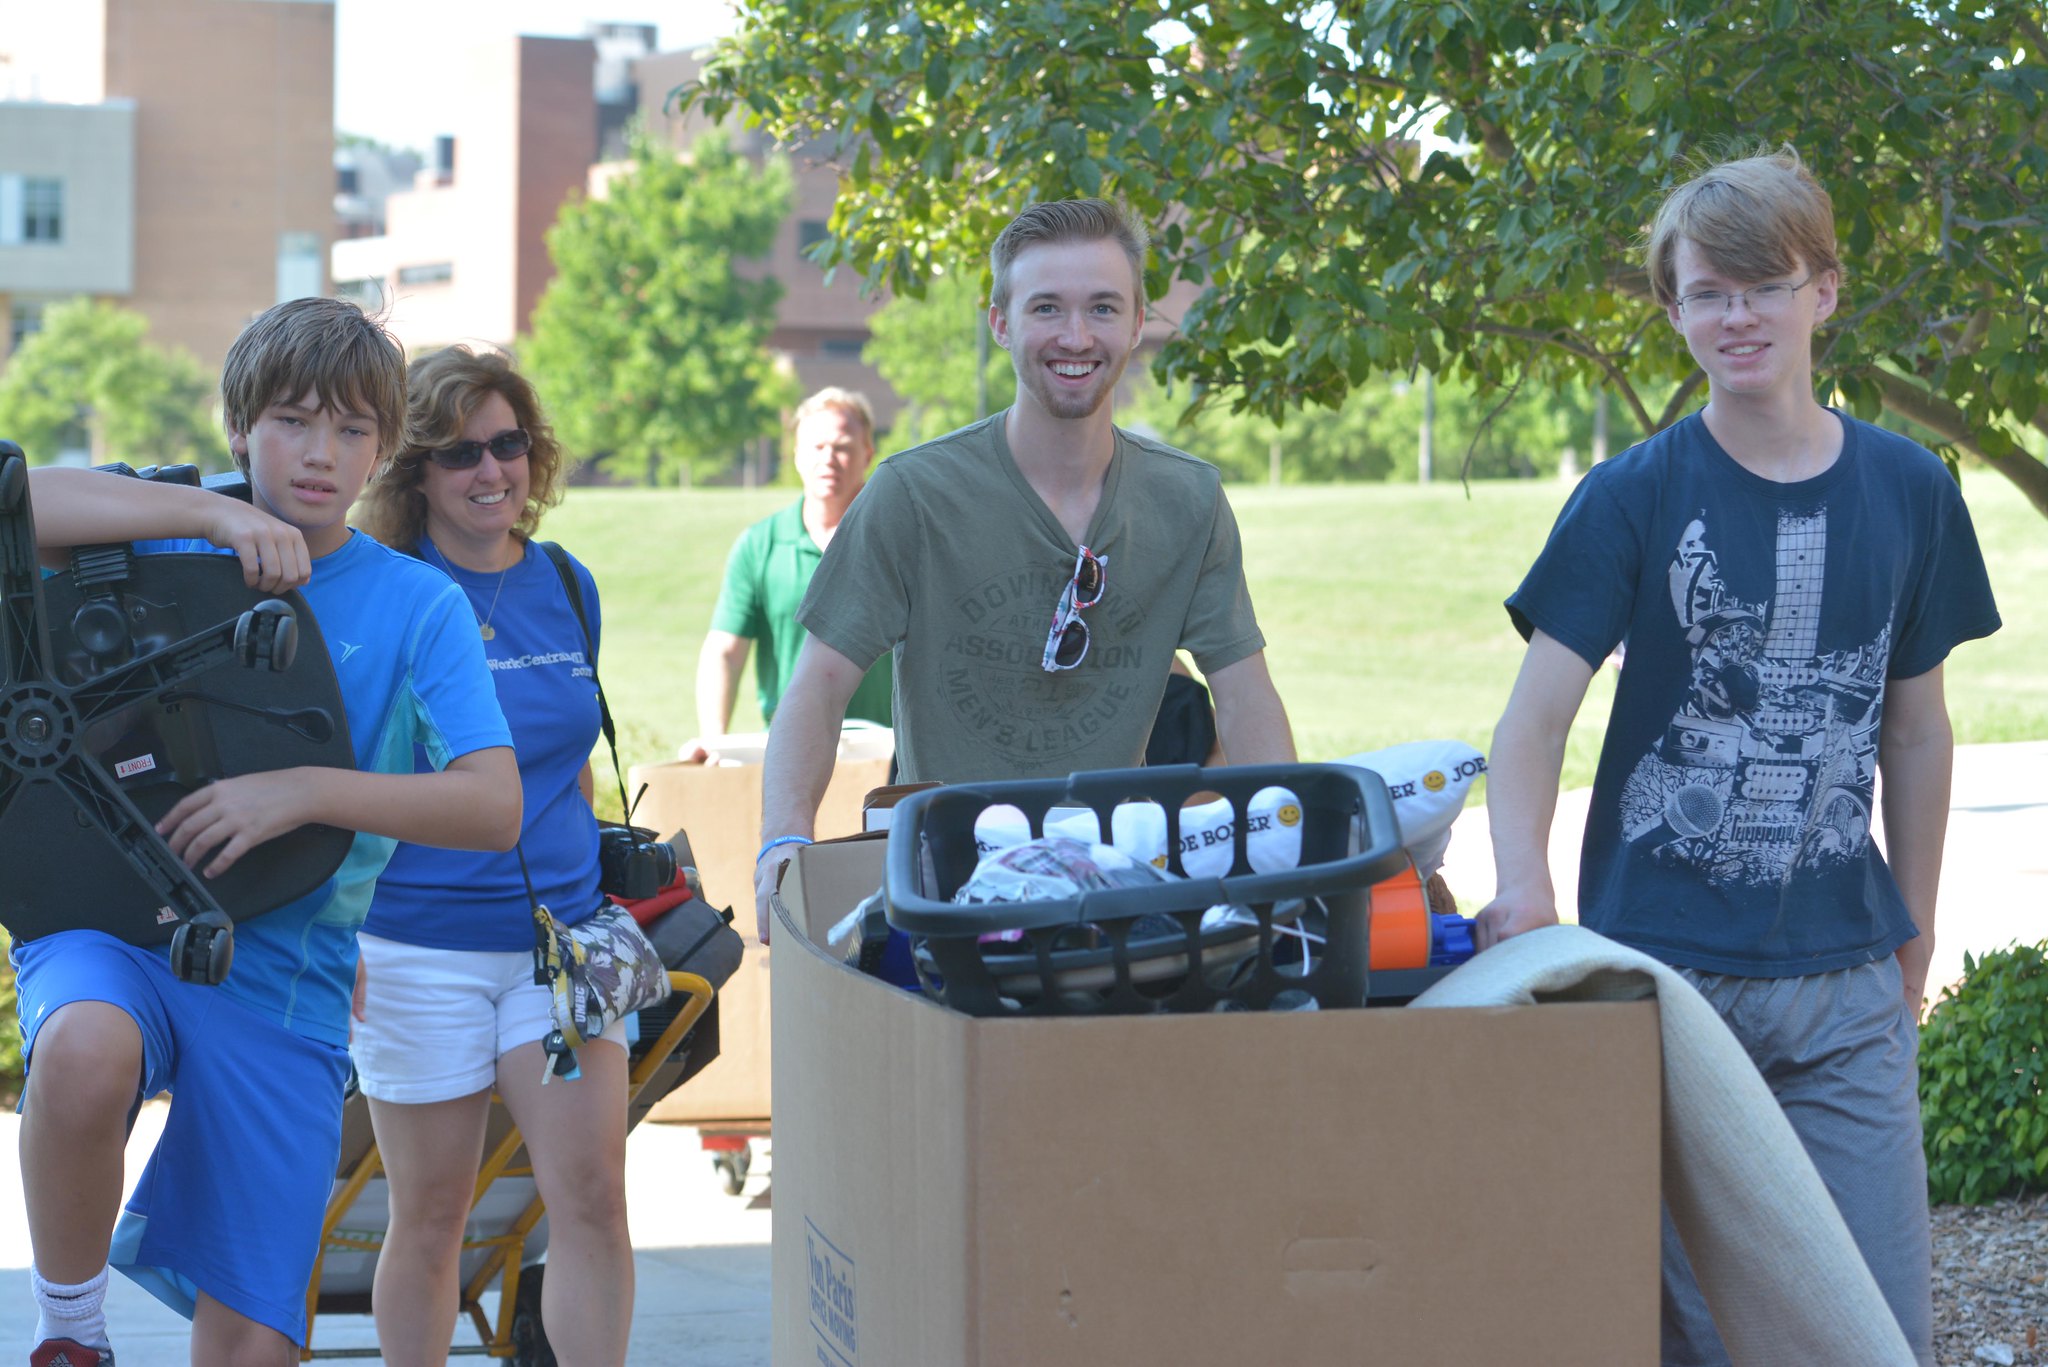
<point>232,1200</point>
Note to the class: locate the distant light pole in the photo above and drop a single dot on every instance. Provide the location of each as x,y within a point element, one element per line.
<point>1425,455</point>
<point>980,366</point>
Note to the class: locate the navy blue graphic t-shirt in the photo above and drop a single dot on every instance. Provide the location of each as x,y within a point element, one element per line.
<point>1730,828</point>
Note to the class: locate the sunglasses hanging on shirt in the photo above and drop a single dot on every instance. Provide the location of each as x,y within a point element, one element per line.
<point>1066,645</point>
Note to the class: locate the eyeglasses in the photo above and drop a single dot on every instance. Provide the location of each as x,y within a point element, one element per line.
<point>1763,300</point>
<point>1066,645</point>
<point>464,455</point>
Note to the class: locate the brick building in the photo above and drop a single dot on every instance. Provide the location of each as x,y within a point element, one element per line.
<point>175,156</point>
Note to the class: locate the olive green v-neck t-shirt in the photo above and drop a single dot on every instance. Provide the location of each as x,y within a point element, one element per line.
<point>952,561</point>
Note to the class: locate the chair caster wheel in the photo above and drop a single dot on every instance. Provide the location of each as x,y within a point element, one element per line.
<point>267,635</point>
<point>203,948</point>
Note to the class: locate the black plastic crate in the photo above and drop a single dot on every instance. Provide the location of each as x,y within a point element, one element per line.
<point>1088,954</point>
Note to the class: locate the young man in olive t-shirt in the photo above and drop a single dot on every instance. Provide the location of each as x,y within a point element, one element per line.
<point>1033,573</point>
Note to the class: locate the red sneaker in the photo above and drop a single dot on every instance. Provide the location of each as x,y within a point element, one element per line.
<point>69,1353</point>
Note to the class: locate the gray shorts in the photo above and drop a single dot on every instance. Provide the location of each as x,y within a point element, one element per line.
<point>1840,1052</point>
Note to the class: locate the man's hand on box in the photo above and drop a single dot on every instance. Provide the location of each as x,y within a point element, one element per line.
<point>694,751</point>
<point>767,874</point>
<point>1509,915</point>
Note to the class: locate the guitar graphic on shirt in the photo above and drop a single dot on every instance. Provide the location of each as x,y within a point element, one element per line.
<point>1768,765</point>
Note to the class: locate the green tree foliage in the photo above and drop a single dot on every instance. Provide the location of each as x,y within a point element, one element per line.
<point>93,371</point>
<point>927,349</point>
<point>1375,433</point>
<point>650,343</point>
<point>1984,1079</point>
<point>1381,186</point>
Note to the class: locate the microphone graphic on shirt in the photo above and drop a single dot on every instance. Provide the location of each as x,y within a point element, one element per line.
<point>1691,811</point>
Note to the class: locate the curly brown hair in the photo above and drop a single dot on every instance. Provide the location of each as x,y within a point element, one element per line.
<point>443,391</point>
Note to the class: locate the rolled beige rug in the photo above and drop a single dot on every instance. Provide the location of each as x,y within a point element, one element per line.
<point>1776,1263</point>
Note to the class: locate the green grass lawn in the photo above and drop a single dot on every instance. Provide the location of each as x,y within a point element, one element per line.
<point>1381,607</point>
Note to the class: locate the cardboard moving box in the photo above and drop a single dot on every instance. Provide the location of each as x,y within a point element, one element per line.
<point>1252,1189</point>
<point>720,807</point>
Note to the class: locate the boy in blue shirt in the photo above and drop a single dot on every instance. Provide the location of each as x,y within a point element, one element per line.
<point>1788,581</point>
<point>224,1224</point>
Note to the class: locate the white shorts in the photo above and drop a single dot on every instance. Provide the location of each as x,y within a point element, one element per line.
<point>436,1021</point>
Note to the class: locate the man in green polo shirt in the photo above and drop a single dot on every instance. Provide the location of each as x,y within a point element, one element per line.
<point>771,566</point>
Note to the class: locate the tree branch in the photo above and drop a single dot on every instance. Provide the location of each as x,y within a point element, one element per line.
<point>1948,422</point>
<point>1680,397</point>
<point>1492,136</point>
<point>1584,350</point>
<point>1479,435</point>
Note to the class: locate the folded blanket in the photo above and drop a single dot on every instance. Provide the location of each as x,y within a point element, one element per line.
<point>1777,1265</point>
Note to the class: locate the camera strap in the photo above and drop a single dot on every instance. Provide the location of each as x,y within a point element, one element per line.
<point>560,557</point>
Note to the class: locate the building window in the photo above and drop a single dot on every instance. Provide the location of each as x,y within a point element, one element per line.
<point>346,180</point>
<point>24,322</point>
<point>42,210</point>
<point>841,348</point>
<point>31,210</point>
<point>809,233</point>
<point>300,273</point>
<point>434,273</point>
<point>367,292</point>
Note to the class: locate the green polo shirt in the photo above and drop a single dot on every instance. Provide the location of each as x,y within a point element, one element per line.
<point>765,578</point>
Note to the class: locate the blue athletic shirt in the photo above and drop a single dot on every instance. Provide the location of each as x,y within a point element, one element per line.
<point>464,899</point>
<point>1732,808</point>
<point>405,649</point>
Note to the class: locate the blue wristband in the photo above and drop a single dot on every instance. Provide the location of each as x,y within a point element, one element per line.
<point>781,840</point>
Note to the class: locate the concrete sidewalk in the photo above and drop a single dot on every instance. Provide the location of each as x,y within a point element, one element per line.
<point>701,1262</point>
<point>702,1256</point>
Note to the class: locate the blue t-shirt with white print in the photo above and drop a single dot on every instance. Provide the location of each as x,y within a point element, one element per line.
<point>412,675</point>
<point>1730,828</point>
<point>464,899</point>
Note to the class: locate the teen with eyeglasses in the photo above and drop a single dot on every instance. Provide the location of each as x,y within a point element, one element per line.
<point>1788,581</point>
<point>450,1009</point>
<point>1033,573</point>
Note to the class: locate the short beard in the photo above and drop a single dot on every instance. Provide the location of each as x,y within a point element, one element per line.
<point>1070,407</point>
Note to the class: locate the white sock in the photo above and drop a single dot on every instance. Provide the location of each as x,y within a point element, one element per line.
<point>77,1313</point>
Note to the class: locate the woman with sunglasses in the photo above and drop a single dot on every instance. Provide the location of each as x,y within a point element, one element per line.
<point>450,1008</point>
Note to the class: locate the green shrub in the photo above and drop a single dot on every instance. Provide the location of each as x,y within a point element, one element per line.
<point>1983,1060</point>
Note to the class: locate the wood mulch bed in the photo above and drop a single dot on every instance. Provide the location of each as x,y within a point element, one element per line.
<point>1991,1283</point>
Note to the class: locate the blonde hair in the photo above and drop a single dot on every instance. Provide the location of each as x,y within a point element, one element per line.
<point>327,347</point>
<point>1752,218</point>
<point>1068,220</point>
<point>443,393</point>
<point>851,402</point>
